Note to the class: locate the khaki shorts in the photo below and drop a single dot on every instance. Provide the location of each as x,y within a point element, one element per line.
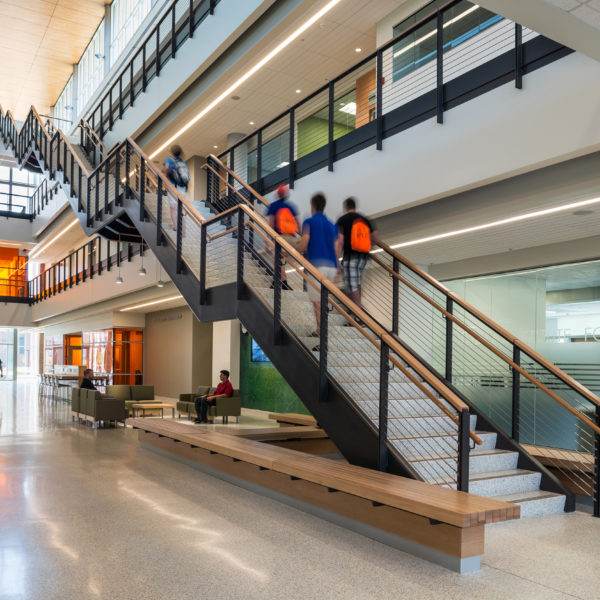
<point>330,273</point>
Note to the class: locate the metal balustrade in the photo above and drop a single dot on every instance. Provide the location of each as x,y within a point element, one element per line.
<point>178,24</point>
<point>424,71</point>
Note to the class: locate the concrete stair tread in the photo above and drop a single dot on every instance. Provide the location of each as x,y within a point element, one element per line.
<point>528,496</point>
<point>436,435</point>
<point>445,455</point>
<point>486,476</point>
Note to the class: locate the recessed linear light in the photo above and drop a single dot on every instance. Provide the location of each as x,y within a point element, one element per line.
<point>251,123</point>
<point>349,108</point>
<point>215,147</point>
<point>525,217</point>
<point>48,244</point>
<point>152,303</point>
<point>434,32</point>
<point>259,65</point>
<point>298,91</point>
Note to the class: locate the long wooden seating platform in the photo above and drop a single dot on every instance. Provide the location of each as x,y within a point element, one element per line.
<point>313,440</point>
<point>285,419</point>
<point>446,521</point>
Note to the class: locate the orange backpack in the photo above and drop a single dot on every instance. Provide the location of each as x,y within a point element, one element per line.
<point>360,236</point>
<point>285,221</point>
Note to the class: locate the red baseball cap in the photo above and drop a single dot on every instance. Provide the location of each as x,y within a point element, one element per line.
<point>283,190</point>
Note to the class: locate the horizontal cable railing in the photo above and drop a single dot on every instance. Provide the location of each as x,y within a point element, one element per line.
<point>413,77</point>
<point>532,400</point>
<point>528,397</point>
<point>177,25</point>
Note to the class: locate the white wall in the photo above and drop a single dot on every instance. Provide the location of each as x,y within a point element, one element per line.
<point>499,134</point>
<point>226,351</point>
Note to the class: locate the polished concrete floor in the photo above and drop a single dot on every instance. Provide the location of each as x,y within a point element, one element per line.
<point>89,514</point>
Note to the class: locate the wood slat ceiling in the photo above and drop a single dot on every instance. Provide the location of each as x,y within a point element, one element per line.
<point>40,40</point>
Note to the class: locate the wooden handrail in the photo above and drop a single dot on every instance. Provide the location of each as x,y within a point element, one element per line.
<point>492,349</point>
<point>544,362</point>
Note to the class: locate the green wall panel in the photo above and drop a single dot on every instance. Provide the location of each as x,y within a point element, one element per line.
<point>312,133</point>
<point>262,387</point>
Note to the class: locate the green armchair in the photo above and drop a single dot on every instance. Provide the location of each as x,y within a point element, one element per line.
<point>224,408</point>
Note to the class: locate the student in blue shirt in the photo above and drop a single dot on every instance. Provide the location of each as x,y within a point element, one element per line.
<point>319,236</point>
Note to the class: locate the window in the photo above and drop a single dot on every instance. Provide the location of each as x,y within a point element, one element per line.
<point>63,108</point>
<point>16,188</point>
<point>126,16</point>
<point>91,68</point>
<point>461,22</point>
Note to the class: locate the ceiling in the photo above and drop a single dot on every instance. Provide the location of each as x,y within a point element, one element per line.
<point>40,40</point>
<point>323,51</point>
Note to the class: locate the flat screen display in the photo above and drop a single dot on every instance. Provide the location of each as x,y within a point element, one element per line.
<point>257,354</point>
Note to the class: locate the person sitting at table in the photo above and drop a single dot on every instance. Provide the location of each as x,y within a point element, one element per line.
<point>224,389</point>
<point>86,382</point>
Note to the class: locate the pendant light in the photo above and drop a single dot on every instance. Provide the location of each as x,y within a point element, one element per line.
<point>142,271</point>
<point>119,279</point>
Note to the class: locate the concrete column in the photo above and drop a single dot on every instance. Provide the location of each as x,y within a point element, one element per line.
<point>107,38</point>
<point>226,351</point>
<point>197,185</point>
<point>240,156</point>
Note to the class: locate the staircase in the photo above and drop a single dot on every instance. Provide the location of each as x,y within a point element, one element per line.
<point>383,404</point>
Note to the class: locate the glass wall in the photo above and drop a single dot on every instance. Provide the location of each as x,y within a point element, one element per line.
<point>462,22</point>
<point>16,188</point>
<point>7,352</point>
<point>128,366</point>
<point>63,108</point>
<point>28,362</point>
<point>90,70</point>
<point>126,16</point>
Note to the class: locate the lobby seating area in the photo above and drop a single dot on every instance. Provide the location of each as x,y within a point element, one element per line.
<point>90,406</point>
<point>132,394</point>
<point>224,407</point>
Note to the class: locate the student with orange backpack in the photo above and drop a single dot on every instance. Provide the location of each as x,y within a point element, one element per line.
<point>284,219</point>
<point>356,236</point>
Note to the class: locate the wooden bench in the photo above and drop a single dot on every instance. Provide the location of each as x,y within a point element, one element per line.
<point>436,523</point>
<point>286,419</point>
<point>304,439</point>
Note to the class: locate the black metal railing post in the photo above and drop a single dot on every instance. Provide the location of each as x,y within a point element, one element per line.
<point>596,490</point>
<point>144,77</point>
<point>518,56</point>
<point>143,194</point>
<point>259,150</point>
<point>464,427</point>
<point>277,267</point>
<point>379,100</point>
<point>76,267</point>
<point>118,200</point>
<point>395,296</point>
<point>159,202</point>
<point>516,395</point>
<point>121,97</point>
<point>191,23</point>
<point>97,193</point>
<point>173,33</point>
<point>323,339</point>
<point>131,90</point>
<point>383,455</point>
<point>440,66</point>
<point>179,235</point>
<point>240,255</point>
<point>449,333</point>
<point>108,256</point>
<point>291,158</point>
<point>158,50</point>
<point>330,123</point>
<point>126,192</point>
<point>203,264</point>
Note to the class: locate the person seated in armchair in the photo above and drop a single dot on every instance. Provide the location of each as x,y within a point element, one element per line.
<point>224,389</point>
<point>86,382</point>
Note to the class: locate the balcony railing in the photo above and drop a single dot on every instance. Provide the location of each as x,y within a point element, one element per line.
<point>443,60</point>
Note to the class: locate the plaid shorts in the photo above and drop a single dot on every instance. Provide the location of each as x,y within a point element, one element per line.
<point>352,269</point>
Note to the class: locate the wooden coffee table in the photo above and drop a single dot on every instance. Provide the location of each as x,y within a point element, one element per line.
<point>147,406</point>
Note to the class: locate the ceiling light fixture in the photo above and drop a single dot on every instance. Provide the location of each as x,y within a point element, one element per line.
<point>119,279</point>
<point>152,303</point>
<point>357,49</point>
<point>251,122</point>
<point>215,147</point>
<point>259,65</point>
<point>142,271</point>
<point>525,217</point>
<point>298,91</point>
<point>56,237</point>
<point>349,108</point>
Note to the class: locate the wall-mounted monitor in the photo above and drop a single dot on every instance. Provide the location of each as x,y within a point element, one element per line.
<point>257,354</point>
